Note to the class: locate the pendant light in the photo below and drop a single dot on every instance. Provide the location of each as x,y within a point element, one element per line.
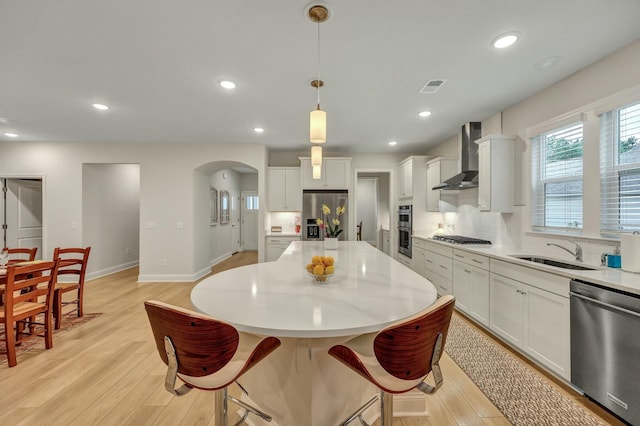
<point>317,118</point>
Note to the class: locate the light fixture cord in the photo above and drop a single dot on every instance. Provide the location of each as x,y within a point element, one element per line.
<point>318,77</point>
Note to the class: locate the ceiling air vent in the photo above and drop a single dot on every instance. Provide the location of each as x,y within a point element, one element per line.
<point>432,86</point>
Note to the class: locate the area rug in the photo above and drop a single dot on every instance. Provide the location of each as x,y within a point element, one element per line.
<point>69,321</point>
<point>515,388</point>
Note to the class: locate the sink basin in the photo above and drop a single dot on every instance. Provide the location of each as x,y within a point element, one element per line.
<point>553,262</point>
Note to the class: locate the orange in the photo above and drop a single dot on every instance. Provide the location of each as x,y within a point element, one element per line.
<point>316,260</point>
<point>310,267</point>
<point>327,260</point>
<point>318,270</point>
<point>329,269</point>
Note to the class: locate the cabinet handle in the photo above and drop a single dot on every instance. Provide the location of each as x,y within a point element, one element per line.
<point>478,261</point>
<point>430,261</point>
<point>459,255</point>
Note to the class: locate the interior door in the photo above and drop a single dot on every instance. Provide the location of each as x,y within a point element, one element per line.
<point>23,213</point>
<point>234,219</point>
<point>249,222</point>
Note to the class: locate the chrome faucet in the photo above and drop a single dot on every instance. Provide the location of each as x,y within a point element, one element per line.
<point>578,252</point>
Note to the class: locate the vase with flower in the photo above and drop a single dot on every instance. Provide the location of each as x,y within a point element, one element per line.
<point>330,225</point>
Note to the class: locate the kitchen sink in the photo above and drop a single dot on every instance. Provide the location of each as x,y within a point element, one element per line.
<point>553,262</point>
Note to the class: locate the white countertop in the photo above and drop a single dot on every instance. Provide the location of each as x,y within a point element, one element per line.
<point>368,291</point>
<point>609,277</point>
<point>283,234</point>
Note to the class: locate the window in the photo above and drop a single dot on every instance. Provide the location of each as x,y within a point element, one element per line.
<point>213,194</point>
<point>252,202</point>
<point>557,178</point>
<point>224,207</point>
<point>620,169</point>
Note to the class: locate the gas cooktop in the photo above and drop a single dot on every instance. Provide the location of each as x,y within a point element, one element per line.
<point>459,239</point>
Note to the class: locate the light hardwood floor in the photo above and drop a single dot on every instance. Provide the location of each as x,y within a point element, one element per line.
<point>108,372</point>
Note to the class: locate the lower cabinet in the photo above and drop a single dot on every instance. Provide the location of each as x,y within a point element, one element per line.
<point>276,246</point>
<point>471,289</point>
<point>533,320</point>
<point>471,285</point>
<point>418,256</point>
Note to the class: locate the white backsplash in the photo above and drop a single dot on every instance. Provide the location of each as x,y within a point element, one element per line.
<point>287,220</point>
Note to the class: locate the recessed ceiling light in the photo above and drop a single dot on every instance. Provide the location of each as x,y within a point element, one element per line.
<point>547,62</point>
<point>101,107</point>
<point>11,135</point>
<point>227,84</point>
<point>393,143</point>
<point>258,130</point>
<point>505,40</point>
<point>424,114</point>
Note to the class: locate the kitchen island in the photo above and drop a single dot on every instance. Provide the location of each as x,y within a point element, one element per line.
<point>300,383</point>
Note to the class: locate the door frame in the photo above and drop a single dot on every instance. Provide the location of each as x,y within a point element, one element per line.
<point>42,178</point>
<point>393,204</point>
<point>243,204</point>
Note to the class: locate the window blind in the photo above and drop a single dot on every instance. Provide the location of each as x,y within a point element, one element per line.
<point>620,169</point>
<point>556,158</point>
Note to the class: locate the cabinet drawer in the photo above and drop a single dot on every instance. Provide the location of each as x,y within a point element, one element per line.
<point>441,265</point>
<point>443,286</point>
<point>280,240</point>
<point>438,248</point>
<point>543,280</point>
<point>421,244</point>
<point>471,258</point>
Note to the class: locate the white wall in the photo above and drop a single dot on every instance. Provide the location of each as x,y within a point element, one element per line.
<point>111,216</point>
<point>167,182</point>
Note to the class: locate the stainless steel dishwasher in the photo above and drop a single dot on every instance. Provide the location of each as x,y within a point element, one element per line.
<point>605,347</point>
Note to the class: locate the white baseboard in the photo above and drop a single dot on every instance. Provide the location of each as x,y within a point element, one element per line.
<point>168,278</point>
<point>111,270</point>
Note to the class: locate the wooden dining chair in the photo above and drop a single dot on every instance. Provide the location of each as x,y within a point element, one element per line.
<point>359,232</point>
<point>73,261</point>
<point>28,293</point>
<point>400,357</point>
<point>17,255</point>
<point>206,354</point>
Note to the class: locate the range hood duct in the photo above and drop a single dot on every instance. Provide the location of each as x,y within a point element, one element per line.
<point>468,178</point>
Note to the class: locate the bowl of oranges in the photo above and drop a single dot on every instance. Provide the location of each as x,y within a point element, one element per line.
<point>321,268</point>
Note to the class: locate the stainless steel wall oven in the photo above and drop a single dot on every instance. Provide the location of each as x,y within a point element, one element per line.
<point>404,230</point>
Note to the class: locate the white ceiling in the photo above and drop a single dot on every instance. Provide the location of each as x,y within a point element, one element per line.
<point>157,65</point>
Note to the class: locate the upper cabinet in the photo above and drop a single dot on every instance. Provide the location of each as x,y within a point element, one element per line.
<point>284,193</point>
<point>439,170</point>
<point>496,173</point>
<point>335,173</point>
<point>411,176</point>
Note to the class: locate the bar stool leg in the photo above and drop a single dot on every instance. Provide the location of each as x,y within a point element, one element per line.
<point>221,407</point>
<point>386,410</point>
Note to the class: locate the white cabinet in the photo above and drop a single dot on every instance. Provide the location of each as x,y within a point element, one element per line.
<point>418,256</point>
<point>335,174</point>
<point>438,267</point>
<point>438,171</point>
<point>471,284</point>
<point>277,245</point>
<point>386,242</point>
<point>284,192</point>
<point>406,261</point>
<point>496,173</point>
<point>530,310</point>
<point>411,176</point>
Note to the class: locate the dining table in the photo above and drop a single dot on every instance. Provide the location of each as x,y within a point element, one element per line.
<point>300,383</point>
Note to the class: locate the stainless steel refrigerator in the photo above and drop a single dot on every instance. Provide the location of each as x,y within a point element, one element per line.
<point>312,201</point>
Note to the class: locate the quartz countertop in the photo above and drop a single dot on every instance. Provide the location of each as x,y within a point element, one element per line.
<point>614,278</point>
<point>368,291</point>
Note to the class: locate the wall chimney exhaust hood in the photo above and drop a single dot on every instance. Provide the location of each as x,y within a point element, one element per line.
<point>468,178</point>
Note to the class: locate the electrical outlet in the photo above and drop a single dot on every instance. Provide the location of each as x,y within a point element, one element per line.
<point>165,262</point>
<point>127,251</point>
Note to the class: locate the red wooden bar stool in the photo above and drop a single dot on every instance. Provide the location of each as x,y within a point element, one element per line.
<point>400,357</point>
